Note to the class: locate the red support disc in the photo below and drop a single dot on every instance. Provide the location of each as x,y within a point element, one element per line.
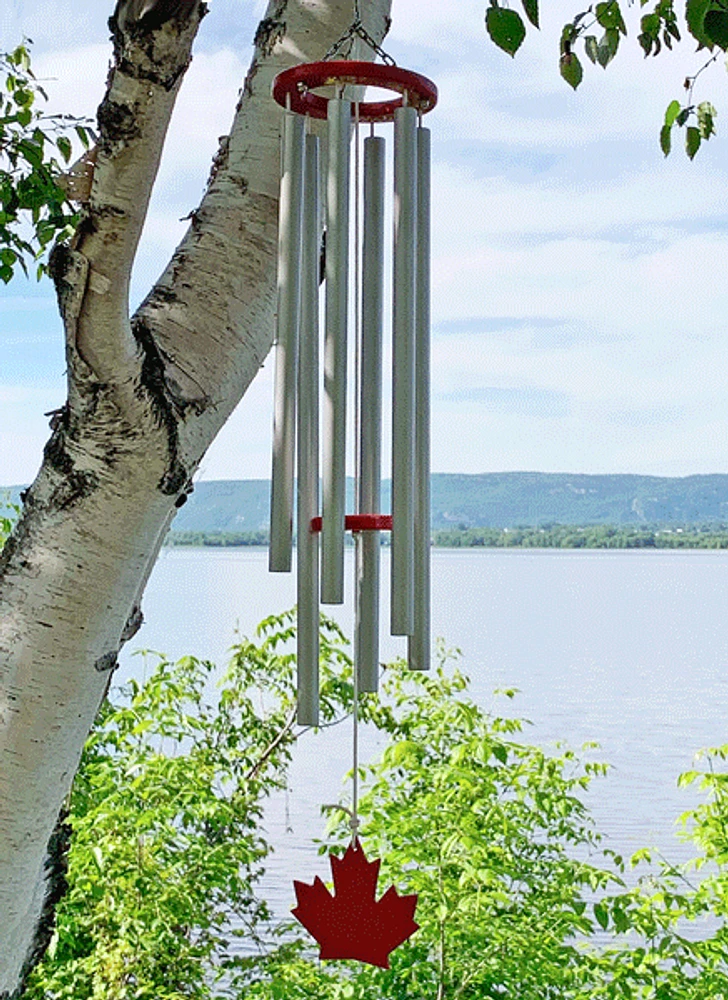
<point>359,522</point>
<point>293,88</point>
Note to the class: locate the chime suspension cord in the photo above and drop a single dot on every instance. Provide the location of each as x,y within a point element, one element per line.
<point>354,822</point>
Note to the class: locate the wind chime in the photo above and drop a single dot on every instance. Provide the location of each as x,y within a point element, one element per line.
<point>378,927</point>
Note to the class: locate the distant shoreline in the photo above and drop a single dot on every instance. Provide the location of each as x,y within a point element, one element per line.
<point>558,536</point>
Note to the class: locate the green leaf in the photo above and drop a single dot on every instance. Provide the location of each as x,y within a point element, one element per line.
<point>608,47</point>
<point>531,9</point>
<point>64,147</point>
<point>692,141</point>
<point>571,69</point>
<point>646,41</point>
<point>695,11</point>
<point>611,40</point>
<point>610,16</point>
<point>622,922</point>
<point>591,47</point>
<point>688,778</point>
<point>644,854</point>
<point>602,915</point>
<point>505,28</point>
<point>569,35</point>
<point>650,24</point>
<point>706,119</point>
<point>715,26</point>
<point>673,110</point>
<point>666,139</point>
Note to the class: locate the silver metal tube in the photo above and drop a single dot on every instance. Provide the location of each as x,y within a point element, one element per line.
<point>284,417</point>
<point>335,359</point>
<point>418,644</point>
<point>403,370</point>
<point>307,543</point>
<point>366,644</point>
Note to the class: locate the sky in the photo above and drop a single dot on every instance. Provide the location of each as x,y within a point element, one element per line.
<point>580,279</point>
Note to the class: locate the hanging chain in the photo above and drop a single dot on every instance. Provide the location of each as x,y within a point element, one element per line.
<point>345,44</point>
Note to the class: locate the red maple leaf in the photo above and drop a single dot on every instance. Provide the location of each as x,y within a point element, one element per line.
<point>352,923</point>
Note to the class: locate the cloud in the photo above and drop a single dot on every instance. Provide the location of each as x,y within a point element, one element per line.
<point>482,324</point>
<point>54,24</point>
<point>648,416</point>
<point>525,400</point>
<point>579,279</point>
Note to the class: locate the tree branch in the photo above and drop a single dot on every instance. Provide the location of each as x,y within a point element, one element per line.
<point>133,119</point>
<point>211,313</point>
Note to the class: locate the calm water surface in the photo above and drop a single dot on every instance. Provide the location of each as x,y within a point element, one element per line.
<point>627,648</point>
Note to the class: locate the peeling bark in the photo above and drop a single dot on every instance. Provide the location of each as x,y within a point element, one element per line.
<point>146,397</point>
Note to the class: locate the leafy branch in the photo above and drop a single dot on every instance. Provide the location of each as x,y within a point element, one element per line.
<point>34,149</point>
<point>705,20</point>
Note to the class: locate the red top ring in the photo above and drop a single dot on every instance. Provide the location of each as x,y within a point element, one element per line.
<point>294,85</point>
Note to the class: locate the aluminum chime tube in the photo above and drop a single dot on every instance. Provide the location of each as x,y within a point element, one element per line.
<point>403,370</point>
<point>335,348</point>
<point>320,562</point>
<point>419,642</point>
<point>307,542</point>
<point>366,644</point>
<point>284,417</point>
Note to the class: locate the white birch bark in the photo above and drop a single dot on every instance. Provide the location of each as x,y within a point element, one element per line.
<point>146,398</point>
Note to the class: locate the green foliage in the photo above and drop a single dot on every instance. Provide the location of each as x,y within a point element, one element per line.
<point>548,536</point>
<point>591,536</point>
<point>517,898</point>
<point>216,539</point>
<point>167,848</point>
<point>8,516</point>
<point>30,144</point>
<point>571,69</point>
<point>659,26</point>
<point>705,20</point>
<point>695,11</point>
<point>493,836</point>
<point>708,23</point>
<point>505,27</point>
<point>517,895</point>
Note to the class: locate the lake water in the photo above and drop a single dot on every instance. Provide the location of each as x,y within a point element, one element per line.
<point>627,648</point>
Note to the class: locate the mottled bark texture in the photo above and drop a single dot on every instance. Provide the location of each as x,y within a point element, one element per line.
<point>146,396</point>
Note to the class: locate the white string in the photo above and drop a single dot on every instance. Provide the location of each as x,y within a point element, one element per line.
<point>354,821</point>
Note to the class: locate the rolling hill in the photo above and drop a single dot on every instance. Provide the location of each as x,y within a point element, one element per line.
<point>498,500</point>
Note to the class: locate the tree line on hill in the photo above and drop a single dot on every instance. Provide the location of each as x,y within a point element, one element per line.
<point>552,536</point>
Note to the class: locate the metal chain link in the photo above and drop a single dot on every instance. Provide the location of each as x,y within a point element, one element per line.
<point>357,30</point>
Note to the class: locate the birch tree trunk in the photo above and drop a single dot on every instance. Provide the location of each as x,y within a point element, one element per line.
<point>146,397</point>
